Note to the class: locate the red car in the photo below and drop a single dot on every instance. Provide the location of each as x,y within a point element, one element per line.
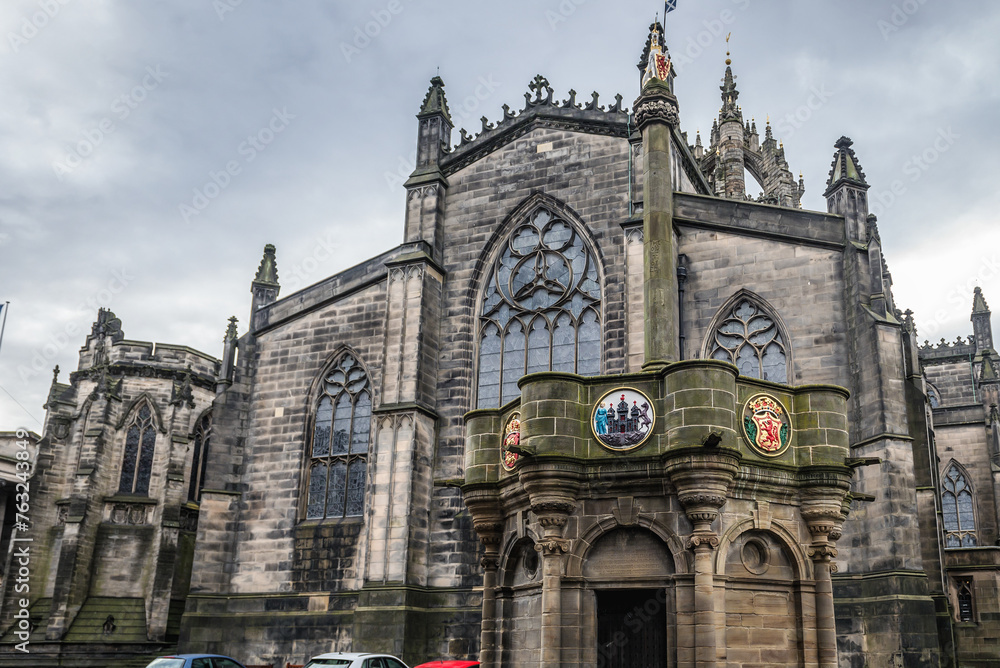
<point>448,664</point>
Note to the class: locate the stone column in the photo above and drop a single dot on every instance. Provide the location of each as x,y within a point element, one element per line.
<point>656,115</point>
<point>491,535</point>
<point>825,526</point>
<point>702,479</point>
<point>552,549</point>
<point>487,519</point>
<point>705,632</point>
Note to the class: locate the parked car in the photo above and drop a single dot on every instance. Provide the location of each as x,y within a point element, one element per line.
<point>194,661</point>
<point>444,663</point>
<point>355,660</point>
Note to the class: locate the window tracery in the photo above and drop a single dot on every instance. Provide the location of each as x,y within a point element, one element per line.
<point>338,461</point>
<point>540,309</point>
<point>137,460</point>
<point>958,509</point>
<point>750,338</point>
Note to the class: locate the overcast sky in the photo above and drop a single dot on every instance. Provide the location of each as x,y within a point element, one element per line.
<point>116,115</point>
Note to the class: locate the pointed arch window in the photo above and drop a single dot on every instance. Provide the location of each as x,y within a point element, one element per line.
<point>199,461</point>
<point>137,462</point>
<point>958,509</point>
<point>338,458</point>
<point>541,308</point>
<point>749,337</point>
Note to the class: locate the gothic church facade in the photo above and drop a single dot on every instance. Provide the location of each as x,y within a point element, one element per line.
<point>408,457</point>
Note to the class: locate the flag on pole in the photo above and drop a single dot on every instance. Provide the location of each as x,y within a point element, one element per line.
<point>669,6</point>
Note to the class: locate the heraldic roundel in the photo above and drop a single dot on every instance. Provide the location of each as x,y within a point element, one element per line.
<point>766,425</point>
<point>511,437</point>
<point>623,419</point>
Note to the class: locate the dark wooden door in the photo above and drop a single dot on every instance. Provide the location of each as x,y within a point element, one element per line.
<point>631,629</point>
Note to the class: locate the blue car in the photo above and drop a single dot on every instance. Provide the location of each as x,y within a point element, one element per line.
<point>195,661</point>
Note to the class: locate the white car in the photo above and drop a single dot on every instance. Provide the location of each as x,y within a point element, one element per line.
<point>355,660</point>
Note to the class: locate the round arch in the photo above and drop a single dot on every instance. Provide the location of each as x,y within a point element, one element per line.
<point>608,524</point>
<point>803,566</point>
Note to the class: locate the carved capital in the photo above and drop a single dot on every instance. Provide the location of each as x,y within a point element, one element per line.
<point>656,110</point>
<point>705,541</point>
<point>490,534</point>
<point>552,547</point>
<point>490,562</point>
<point>822,553</point>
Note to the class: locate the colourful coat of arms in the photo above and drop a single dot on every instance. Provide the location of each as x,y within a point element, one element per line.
<point>766,425</point>
<point>511,438</point>
<point>623,419</point>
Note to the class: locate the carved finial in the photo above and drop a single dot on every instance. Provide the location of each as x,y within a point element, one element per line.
<point>267,272</point>
<point>231,331</point>
<point>537,85</point>
<point>55,374</point>
<point>435,101</point>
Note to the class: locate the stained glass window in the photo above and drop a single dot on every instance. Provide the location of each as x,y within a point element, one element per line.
<point>199,461</point>
<point>958,509</point>
<point>749,338</point>
<point>137,461</point>
<point>541,309</point>
<point>338,466</point>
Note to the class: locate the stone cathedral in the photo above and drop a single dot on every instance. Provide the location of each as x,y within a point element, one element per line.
<point>600,407</point>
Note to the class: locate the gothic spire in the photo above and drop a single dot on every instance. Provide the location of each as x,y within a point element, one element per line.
<point>435,101</point>
<point>979,302</point>
<point>267,273</point>
<point>845,168</point>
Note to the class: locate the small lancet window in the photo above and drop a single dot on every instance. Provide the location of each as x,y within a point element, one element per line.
<point>749,338</point>
<point>338,462</point>
<point>540,310</point>
<point>958,509</point>
<point>966,600</point>
<point>137,462</point>
<point>199,461</point>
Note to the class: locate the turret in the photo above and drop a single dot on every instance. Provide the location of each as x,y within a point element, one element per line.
<point>434,127</point>
<point>265,286</point>
<point>847,190</point>
<point>426,187</point>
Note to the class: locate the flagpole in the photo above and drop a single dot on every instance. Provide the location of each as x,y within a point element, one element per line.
<point>6,307</point>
